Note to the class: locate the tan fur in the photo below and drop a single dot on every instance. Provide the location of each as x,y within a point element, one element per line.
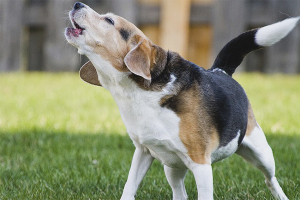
<point>113,49</point>
<point>158,59</point>
<point>138,60</point>
<point>196,131</point>
<point>107,41</point>
<point>251,121</point>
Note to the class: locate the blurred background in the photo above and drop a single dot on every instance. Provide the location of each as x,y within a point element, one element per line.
<point>32,31</point>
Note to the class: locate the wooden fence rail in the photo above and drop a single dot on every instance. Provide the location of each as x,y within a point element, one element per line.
<point>31,31</point>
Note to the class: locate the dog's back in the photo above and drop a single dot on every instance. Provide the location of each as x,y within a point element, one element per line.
<point>213,104</point>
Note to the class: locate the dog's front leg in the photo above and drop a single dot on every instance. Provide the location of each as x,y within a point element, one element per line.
<point>175,177</point>
<point>204,181</point>
<point>141,162</point>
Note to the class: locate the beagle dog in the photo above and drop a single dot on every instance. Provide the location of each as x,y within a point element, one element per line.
<point>175,111</point>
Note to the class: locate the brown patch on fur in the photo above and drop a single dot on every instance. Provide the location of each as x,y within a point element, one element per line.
<point>251,121</point>
<point>196,130</point>
<point>138,60</point>
<point>89,74</point>
<point>158,60</point>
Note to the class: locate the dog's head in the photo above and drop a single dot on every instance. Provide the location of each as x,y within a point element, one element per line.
<point>115,46</point>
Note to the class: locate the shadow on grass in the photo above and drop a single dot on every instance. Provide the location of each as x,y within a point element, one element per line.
<point>58,165</point>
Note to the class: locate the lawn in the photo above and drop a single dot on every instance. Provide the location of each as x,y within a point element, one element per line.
<point>61,138</point>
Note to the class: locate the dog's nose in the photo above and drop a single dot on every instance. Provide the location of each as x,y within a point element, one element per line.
<point>78,5</point>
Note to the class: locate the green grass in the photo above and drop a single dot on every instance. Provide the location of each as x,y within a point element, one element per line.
<point>63,139</point>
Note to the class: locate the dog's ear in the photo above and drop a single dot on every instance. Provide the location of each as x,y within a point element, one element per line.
<point>138,59</point>
<point>89,74</point>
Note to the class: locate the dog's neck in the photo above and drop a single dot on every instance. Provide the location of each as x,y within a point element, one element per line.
<point>107,74</point>
<point>167,65</point>
<point>163,71</point>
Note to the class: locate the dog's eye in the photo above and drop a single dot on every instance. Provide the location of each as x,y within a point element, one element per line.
<point>109,20</point>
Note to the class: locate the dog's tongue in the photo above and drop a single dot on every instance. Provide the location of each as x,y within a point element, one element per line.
<point>74,32</point>
<point>77,31</point>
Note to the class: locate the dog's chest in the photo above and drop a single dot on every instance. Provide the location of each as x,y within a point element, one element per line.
<point>152,126</point>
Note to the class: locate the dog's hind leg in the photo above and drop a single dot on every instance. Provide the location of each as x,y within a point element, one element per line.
<point>256,150</point>
<point>175,178</point>
<point>204,180</point>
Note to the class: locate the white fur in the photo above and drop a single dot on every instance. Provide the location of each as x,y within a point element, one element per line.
<point>107,74</point>
<point>226,151</point>
<point>175,178</point>
<point>204,180</point>
<point>219,70</point>
<point>269,35</point>
<point>139,107</point>
<point>255,149</point>
<point>141,162</point>
<point>169,87</point>
<point>160,141</point>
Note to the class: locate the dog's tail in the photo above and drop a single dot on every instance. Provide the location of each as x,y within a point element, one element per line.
<point>233,53</point>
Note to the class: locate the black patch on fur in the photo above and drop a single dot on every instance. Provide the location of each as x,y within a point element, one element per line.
<point>125,34</point>
<point>225,101</point>
<point>227,105</point>
<point>185,73</point>
<point>233,53</point>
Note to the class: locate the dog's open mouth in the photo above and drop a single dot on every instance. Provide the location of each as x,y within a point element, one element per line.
<point>76,31</point>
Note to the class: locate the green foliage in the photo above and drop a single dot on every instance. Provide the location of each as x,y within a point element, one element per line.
<point>61,138</point>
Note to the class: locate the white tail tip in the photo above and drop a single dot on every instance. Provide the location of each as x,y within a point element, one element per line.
<point>269,35</point>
